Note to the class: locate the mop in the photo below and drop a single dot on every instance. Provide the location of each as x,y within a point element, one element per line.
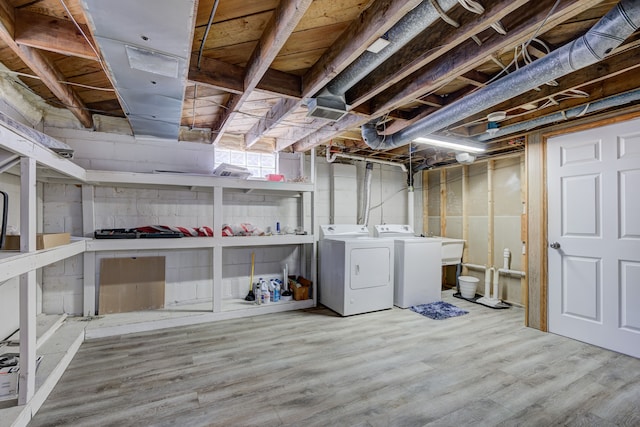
<point>250,296</point>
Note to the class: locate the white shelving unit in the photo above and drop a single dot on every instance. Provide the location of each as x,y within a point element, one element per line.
<point>217,185</point>
<point>37,162</point>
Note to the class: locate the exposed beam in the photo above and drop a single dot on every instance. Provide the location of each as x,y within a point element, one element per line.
<point>372,23</point>
<point>427,47</point>
<point>257,130</point>
<point>44,68</point>
<point>327,132</point>
<point>474,78</point>
<point>229,77</point>
<point>280,26</point>
<point>469,55</point>
<point>52,34</point>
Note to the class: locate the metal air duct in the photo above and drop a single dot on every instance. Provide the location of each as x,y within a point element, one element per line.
<point>592,107</point>
<point>412,24</point>
<point>146,48</point>
<point>609,33</point>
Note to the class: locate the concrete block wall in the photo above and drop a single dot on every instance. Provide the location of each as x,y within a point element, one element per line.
<point>122,207</point>
<point>120,152</point>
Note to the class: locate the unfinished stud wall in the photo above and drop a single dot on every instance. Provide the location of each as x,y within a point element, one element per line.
<point>493,206</point>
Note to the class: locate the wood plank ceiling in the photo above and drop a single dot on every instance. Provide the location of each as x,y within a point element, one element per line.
<point>256,63</point>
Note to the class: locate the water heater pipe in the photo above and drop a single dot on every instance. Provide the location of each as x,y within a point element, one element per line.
<point>332,157</point>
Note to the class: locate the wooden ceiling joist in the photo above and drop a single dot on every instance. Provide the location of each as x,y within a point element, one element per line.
<point>43,67</point>
<point>373,23</point>
<point>51,34</point>
<point>285,19</point>
<point>230,78</point>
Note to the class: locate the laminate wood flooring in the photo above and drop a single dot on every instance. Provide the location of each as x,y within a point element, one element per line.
<point>314,368</point>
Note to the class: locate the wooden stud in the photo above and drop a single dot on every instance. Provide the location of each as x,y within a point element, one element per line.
<point>490,211</point>
<point>465,215</point>
<point>425,202</point>
<point>524,281</point>
<point>443,202</point>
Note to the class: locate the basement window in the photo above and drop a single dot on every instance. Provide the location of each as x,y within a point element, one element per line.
<point>259,164</point>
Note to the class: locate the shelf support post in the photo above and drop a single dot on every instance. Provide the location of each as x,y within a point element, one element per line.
<point>89,258</point>
<point>27,376</point>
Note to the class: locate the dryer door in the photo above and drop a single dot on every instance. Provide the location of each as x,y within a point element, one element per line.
<point>370,267</point>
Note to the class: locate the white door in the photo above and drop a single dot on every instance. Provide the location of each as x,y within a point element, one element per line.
<point>593,184</point>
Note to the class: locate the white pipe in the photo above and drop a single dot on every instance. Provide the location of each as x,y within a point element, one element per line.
<point>475,266</point>
<point>496,279</point>
<point>487,282</point>
<point>507,258</point>
<point>332,157</point>
<point>514,272</point>
<point>410,206</point>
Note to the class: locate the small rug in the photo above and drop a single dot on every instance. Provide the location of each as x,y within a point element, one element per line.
<point>438,310</point>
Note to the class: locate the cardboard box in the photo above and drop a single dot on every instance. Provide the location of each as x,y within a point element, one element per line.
<point>9,375</point>
<point>43,241</point>
<point>300,288</point>
<point>8,382</point>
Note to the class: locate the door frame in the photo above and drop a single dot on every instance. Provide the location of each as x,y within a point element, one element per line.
<point>535,218</point>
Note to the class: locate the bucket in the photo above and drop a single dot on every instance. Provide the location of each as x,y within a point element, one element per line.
<point>468,286</point>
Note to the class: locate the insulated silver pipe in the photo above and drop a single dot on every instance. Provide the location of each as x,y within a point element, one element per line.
<point>609,33</point>
<point>603,104</point>
<point>412,24</point>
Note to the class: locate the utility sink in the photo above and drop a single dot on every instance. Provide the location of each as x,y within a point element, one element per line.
<point>451,250</point>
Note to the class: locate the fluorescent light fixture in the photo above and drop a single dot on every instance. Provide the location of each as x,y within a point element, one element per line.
<point>454,144</point>
<point>378,45</point>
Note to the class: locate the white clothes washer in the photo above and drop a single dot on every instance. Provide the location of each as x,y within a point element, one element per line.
<point>417,265</point>
<point>356,270</point>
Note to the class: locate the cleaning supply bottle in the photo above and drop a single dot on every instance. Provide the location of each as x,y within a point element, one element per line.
<point>264,287</point>
<point>257,291</point>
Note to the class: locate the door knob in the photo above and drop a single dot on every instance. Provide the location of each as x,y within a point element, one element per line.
<point>555,245</point>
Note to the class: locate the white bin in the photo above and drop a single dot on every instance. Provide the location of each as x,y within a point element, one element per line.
<point>468,285</point>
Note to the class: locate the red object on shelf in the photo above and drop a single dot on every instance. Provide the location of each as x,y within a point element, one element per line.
<point>275,177</point>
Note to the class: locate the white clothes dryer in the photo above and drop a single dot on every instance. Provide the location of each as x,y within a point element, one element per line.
<point>356,270</point>
<point>417,265</point>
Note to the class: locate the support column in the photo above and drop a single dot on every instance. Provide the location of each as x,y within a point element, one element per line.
<point>89,258</point>
<point>443,202</point>
<point>27,377</point>
<point>216,261</point>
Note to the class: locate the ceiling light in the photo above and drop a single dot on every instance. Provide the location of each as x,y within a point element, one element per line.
<point>378,45</point>
<point>454,144</point>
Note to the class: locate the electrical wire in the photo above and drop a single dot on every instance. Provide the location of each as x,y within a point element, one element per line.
<point>206,31</point>
<point>32,76</point>
<point>99,58</point>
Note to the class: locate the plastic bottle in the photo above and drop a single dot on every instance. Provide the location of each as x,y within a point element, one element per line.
<point>264,287</point>
<point>258,293</point>
<point>275,286</point>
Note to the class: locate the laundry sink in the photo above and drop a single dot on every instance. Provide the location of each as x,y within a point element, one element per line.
<point>451,250</point>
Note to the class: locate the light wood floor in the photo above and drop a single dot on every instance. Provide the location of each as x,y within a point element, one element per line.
<point>313,368</point>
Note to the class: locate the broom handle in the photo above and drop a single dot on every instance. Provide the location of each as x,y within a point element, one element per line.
<point>253,257</point>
